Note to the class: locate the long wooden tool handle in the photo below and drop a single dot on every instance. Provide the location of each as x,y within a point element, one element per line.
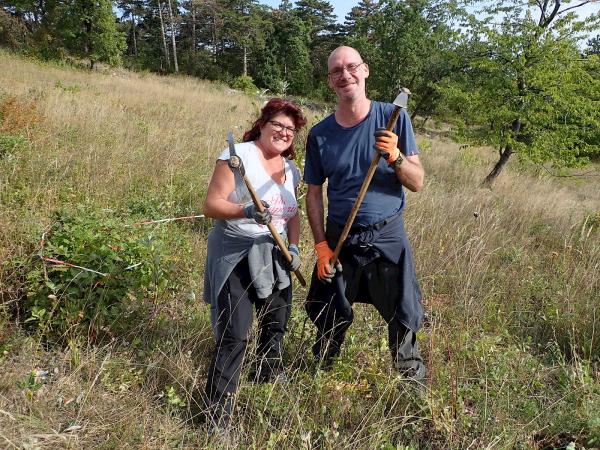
<point>363,191</point>
<point>272,229</point>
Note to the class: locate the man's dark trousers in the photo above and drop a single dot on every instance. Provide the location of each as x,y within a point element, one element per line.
<point>376,283</point>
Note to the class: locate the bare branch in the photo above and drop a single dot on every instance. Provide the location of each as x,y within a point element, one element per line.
<point>592,172</point>
<point>577,6</point>
<point>550,18</point>
<point>537,2</point>
<point>542,10</point>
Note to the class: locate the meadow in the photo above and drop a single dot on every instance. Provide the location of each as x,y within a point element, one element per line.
<point>510,278</point>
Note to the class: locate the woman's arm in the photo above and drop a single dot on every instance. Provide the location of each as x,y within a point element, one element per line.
<point>293,225</point>
<point>222,184</point>
<point>293,229</point>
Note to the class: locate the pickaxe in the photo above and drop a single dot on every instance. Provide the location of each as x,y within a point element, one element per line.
<point>400,102</point>
<point>236,163</point>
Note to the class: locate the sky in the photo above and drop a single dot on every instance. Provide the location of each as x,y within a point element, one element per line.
<point>343,7</point>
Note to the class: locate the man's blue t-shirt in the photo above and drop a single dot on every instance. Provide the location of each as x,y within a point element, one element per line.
<point>343,156</point>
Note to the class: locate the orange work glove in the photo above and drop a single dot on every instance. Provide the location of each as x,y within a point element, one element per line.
<point>324,254</point>
<point>386,143</point>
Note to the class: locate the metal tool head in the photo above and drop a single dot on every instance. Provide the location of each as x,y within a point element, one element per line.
<point>231,143</point>
<point>402,99</point>
<point>234,162</point>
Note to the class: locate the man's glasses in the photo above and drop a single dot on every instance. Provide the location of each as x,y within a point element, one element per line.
<point>279,127</point>
<point>339,71</point>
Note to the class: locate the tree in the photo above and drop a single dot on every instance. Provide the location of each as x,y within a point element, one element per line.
<point>266,70</point>
<point>89,30</point>
<point>32,13</point>
<point>36,18</point>
<point>528,90</point>
<point>291,42</point>
<point>399,49</point>
<point>132,10</point>
<point>359,21</point>
<point>163,34</point>
<point>318,15</point>
<point>593,46</point>
<point>407,44</point>
<point>245,29</point>
<point>13,32</point>
<point>173,33</point>
<point>324,35</point>
<point>285,6</point>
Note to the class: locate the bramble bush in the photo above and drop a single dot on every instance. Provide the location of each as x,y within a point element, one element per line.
<point>65,301</point>
<point>9,143</point>
<point>244,83</point>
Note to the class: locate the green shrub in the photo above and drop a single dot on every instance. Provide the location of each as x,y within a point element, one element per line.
<point>244,83</point>
<point>592,222</point>
<point>281,87</point>
<point>13,32</point>
<point>128,266</point>
<point>9,143</point>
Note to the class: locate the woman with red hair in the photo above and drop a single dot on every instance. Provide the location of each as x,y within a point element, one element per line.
<point>244,269</point>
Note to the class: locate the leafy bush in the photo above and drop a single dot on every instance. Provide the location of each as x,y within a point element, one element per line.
<point>281,87</point>
<point>593,221</point>
<point>13,32</point>
<point>9,143</point>
<point>244,83</point>
<point>126,266</point>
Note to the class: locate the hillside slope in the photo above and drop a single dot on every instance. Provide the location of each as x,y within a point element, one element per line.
<point>510,277</point>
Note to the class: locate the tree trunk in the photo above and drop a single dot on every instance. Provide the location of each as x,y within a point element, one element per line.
<point>173,38</point>
<point>162,33</point>
<point>88,42</point>
<point>193,45</point>
<point>245,61</point>
<point>133,34</point>
<point>214,40</point>
<point>504,155</point>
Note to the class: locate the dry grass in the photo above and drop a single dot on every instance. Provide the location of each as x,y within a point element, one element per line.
<point>510,278</point>
<point>102,135</point>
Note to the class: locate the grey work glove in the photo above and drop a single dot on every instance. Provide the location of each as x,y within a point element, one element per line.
<point>261,218</point>
<point>294,264</point>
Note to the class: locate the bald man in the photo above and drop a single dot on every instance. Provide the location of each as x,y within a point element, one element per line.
<point>376,259</point>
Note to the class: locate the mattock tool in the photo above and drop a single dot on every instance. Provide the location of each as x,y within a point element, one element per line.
<point>235,162</point>
<point>400,102</point>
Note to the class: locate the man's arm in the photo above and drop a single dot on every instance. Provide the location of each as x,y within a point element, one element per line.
<point>316,211</point>
<point>411,173</point>
<point>408,169</point>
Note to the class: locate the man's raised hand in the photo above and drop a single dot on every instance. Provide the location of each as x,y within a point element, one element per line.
<point>386,143</point>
